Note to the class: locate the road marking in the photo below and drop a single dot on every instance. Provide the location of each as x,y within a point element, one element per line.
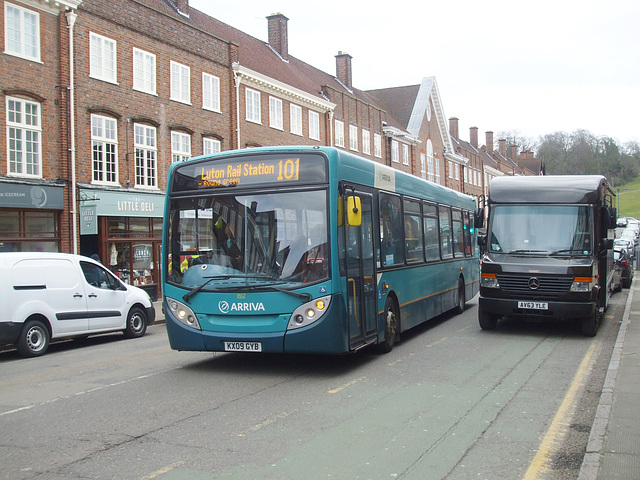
<point>541,463</point>
<point>352,382</point>
<point>162,471</point>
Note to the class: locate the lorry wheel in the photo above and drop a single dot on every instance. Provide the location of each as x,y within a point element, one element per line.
<point>33,340</point>
<point>590,325</point>
<point>487,320</point>
<point>136,323</point>
<point>391,321</point>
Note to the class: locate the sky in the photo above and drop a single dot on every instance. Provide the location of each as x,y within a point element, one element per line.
<point>527,68</point>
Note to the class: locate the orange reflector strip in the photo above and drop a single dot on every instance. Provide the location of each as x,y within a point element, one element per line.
<point>583,279</point>
<point>488,275</point>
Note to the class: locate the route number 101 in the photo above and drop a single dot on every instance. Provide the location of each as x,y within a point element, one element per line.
<point>289,169</point>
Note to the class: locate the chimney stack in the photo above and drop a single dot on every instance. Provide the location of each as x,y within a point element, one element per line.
<point>502,147</point>
<point>278,35</point>
<point>343,69</point>
<point>473,137</point>
<point>489,141</point>
<point>453,127</point>
<point>514,152</point>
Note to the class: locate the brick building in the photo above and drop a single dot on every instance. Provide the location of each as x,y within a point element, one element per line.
<point>100,97</point>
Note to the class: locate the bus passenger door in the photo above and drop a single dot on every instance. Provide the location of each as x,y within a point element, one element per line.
<point>361,276</point>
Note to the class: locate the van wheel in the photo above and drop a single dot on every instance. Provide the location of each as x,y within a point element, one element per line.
<point>590,324</point>
<point>33,340</point>
<point>391,324</point>
<point>136,323</point>
<point>459,308</point>
<point>487,320</point>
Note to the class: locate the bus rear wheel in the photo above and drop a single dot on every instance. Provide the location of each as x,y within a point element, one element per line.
<point>391,323</point>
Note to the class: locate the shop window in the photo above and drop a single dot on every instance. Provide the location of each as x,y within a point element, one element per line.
<point>29,231</point>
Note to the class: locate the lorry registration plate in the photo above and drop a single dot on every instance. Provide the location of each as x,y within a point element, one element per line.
<point>242,346</point>
<point>534,305</point>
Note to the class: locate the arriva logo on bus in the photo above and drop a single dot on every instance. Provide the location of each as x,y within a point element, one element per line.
<point>226,307</point>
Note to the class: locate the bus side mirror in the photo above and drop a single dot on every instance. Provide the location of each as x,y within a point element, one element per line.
<point>478,218</point>
<point>354,211</point>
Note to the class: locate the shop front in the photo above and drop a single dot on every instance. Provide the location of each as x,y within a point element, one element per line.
<point>125,230</point>
<point>30,217</point>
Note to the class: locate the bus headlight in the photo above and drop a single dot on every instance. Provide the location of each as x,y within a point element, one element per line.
<point>308,313</point>
<point>182,313</point>
<point>582,284</point>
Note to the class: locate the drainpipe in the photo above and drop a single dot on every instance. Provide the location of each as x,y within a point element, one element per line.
<point>238,81</point>
<point>71,20</point>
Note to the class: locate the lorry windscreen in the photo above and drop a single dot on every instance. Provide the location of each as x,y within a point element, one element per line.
<point>541,230</point>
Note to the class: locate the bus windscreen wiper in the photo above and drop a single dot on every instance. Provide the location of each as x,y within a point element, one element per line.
<point>195,290</point>
<point>567,250</point>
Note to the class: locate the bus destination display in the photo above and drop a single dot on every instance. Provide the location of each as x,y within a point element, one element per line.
<point>250,171</point>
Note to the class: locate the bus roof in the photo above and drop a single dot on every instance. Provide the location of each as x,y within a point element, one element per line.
<point>579,189</point>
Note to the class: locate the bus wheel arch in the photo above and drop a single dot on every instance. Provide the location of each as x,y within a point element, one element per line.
<point>391,324</point>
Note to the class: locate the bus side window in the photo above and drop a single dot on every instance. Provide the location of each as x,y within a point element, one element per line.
<point>391,229</point>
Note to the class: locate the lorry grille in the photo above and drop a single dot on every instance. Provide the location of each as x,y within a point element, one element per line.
<point>519,284</point>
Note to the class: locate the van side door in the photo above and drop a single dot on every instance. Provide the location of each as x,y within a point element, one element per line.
<point>66,296</point>
<point>105,298</point>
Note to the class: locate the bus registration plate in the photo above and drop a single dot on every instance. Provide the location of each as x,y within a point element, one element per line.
<point>242,346</point>
<point>534,305</point>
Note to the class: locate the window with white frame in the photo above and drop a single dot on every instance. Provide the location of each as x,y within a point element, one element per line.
<point>423,165</point>
<point>339,133</point>
<point>450,169</point>
<point>456,169</point>
<point>146,155</point>
<point>180,146</point>
<point>405,154</point>
<point>395,151</point>
<point>437,165</point>
<point>366,142</point>
<point>430,166</point>
<point>296,119</point>
<point>24,137</point>
<point>275,113</point>
<point>104,149</point>
<point>314,125</point>
<point>180,82</point>
<point>102,58</point>
<point>210,92</point>
<point>21,32</point>
<point>353,137</point>
<point>211,145</point>
<point>144,71</point>
<point>252,101</point>
<point>377,145</point>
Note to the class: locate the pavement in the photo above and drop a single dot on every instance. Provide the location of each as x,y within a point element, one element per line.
<point>613,450</point>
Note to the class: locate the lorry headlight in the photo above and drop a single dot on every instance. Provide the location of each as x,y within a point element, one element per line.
<point>309,312</point>
<point>182,313</point>
<point>489,280</point>
<point>582,284</point>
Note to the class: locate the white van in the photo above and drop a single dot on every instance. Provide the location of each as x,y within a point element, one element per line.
<point>55,295</point>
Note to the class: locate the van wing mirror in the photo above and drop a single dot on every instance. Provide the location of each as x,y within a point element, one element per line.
<point>478,218</point>
<point>607,243</point>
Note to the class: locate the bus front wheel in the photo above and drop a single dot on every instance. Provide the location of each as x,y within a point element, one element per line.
<point>391,323</point>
